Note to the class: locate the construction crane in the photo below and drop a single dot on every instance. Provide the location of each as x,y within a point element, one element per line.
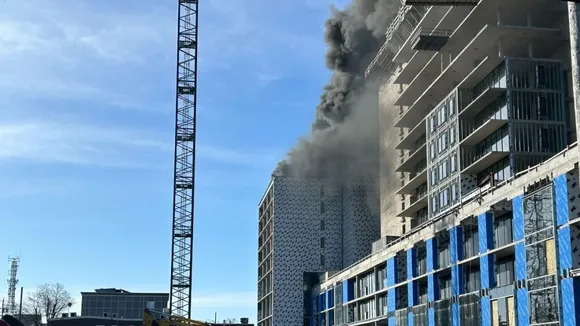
<point>184,160</point>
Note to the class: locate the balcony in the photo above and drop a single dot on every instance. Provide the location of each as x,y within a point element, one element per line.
<point>430,20</point>
<point>408,141</point>
<point>417,203</point>
<point>462,67</point>
<point>423,63</point>
<point>484,162</point>
<point>427,39</point>
<point>483,131</point>
<point>415,182</point>
<point>414,158</point>
<point>482,101</point>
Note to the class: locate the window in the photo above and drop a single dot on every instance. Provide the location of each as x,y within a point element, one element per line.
<point>441,115</point>
<point>150,304</point>
<point>452,136</point>
<point>322,260</point>
<point>541,76</point>
<point>544,139</point>
<point>444,198</point>
<point>433,177</point>
<point>322,243</point>
<point>543,109</point>
<point>322,226</point>
<point>321,191</point>
<point>433,123</point>
<point>322,208</point>
<point>432,150</point>
<point>453,163</point>
<point>452,106</point>
<point>454,193</point>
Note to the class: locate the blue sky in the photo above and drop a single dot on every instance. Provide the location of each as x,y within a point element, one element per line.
<point>86,138</point>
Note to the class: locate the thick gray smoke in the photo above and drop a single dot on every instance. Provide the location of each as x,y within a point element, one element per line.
<point>344,144</point>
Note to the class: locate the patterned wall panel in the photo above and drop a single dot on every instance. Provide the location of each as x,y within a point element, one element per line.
<point>575,245</point>
<point>296,245</point>
<point>361,227</point>
<point>468,183</point>
<point>573,193</point>
<point>317,227</point>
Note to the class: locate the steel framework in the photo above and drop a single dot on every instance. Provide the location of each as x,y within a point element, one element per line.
<point>12,282</point>
<point>184,160</point>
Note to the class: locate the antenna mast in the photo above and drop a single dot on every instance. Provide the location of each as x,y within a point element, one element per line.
<point>12,282</point>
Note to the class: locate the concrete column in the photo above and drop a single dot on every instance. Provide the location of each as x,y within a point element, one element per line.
<point>391,293</point>
<point>522,300</point>
<point>498,17</point>
<point>573,17</point>
<point>529,20</point>
<point>457,285</point>
<point>432,283</point>
<point>530,49</point>
<point>412,289</point>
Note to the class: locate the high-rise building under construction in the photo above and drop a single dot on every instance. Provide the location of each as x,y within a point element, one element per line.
<point>482,197</point>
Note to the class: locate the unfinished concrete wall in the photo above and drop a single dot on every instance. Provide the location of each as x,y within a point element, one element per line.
<point>391,225</point>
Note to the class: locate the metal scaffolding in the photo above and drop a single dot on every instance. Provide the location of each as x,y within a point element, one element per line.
<point>184,160</point>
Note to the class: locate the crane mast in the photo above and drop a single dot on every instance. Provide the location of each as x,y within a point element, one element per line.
<point>184,160</point>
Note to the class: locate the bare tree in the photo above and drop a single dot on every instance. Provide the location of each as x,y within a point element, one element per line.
<point>48,301</point>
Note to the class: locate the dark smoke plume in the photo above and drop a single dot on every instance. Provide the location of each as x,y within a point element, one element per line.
<point>344,144</point>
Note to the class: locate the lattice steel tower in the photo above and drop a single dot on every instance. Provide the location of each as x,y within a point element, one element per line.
<point>12,282</point>
<point>184,161</point>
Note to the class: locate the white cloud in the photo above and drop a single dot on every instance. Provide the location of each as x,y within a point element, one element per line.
<point>230,300</point>
<point>86,144</point>
<point>78,144</point>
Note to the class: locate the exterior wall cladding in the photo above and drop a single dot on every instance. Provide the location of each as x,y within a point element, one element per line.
<point>487,175</point>
<point>307,226</point>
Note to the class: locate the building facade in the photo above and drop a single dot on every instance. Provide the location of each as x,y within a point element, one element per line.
<point>487,171</point>
<point>307,226</point>
<point>118,303</point>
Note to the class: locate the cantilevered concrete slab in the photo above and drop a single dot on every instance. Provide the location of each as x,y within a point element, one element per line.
<point>408,142</point>
<point>425,66</point>
<point>462,66</point>
<point>484,162</point>
<point>480,71</point>
<point>483,131</point>
<point>409,164</point>
<point>466,21</point>
<point>414,207</point>
<point>480,102</point>
<point>431,20</point>
<point>431,40</point>
<point>415,182</point>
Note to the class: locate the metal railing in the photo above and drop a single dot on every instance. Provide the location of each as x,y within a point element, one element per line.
<point>387,49</point>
